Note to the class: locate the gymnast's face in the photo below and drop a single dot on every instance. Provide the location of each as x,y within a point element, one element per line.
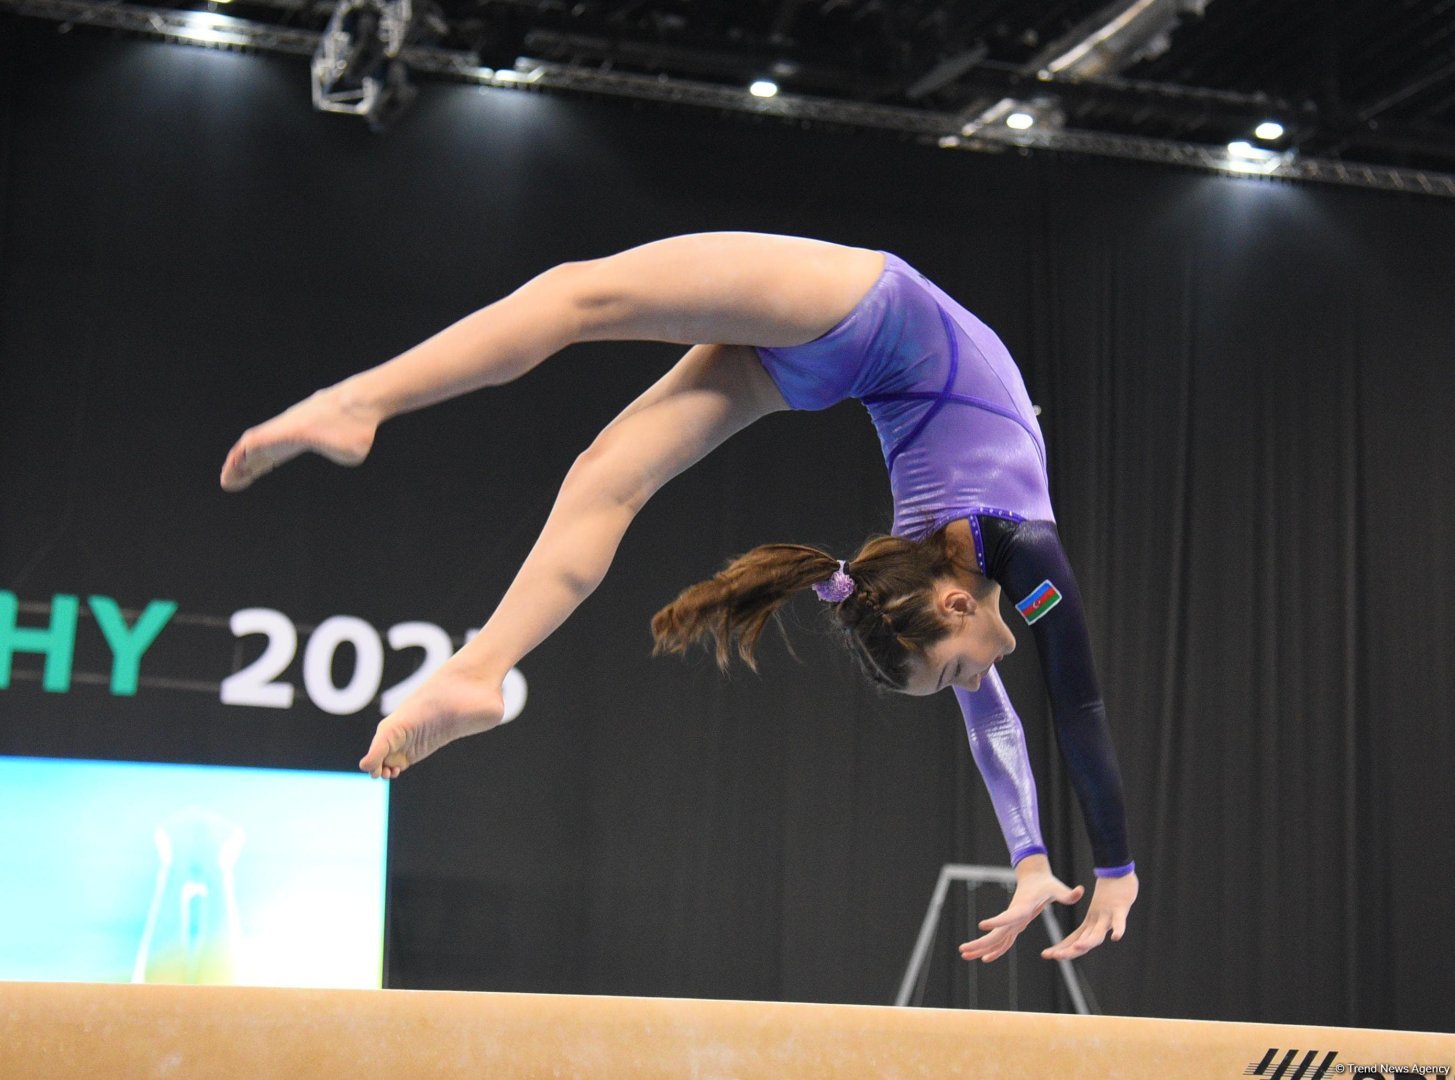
<point>978,638</point>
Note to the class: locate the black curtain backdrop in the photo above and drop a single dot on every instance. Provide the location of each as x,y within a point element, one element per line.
<point>1247,394</point>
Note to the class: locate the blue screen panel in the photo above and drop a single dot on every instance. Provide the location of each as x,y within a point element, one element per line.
<point>131,872</point>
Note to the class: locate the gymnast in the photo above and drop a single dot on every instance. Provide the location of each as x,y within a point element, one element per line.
<point>778,322</point>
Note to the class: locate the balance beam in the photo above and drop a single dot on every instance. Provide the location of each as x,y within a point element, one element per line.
<point>89,1030</point>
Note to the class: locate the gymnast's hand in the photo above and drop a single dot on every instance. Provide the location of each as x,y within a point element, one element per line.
<point>1035,887</point>
<point>332,422</point>
<point>1110,902</point>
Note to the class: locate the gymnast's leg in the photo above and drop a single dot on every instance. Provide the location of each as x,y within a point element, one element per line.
<point>734,289</point>
<point>725,288</point>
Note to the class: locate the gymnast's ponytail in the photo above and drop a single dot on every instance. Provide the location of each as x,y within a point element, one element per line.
<point>884,607</point>
<point>734,605</point>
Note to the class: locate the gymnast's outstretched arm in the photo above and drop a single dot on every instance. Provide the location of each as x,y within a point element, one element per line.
<point>1025,558</point>
<point>998,744</point>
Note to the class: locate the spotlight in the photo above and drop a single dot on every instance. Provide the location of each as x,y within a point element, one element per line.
<point>763,88</point>
<point>206,28</point>
<point>523,73</point>
<point>357,68</point>
<point>1010,119</point>
<point>1244,157</point>
<point>1269,130</point>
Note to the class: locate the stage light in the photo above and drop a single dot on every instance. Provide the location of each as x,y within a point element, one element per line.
<point>763,88</point>
<point>206,28</point>
<point>525,71</point>
<point>204,36</point>
<point>207,20</point>
<point>1012,119</point>
<point>357,68</point>
<point>1269,130</point>
<point>1244,157</point>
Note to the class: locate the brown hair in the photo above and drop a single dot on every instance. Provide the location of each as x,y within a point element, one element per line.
<point>888,619</point>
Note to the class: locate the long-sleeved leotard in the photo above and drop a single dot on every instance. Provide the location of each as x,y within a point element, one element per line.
<point>961,440</point>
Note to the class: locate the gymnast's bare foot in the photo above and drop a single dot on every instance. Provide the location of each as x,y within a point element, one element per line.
<point>449,705</point>
<point>328,423</point>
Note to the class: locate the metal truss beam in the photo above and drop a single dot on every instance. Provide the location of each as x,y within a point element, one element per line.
<point>1216,159</point>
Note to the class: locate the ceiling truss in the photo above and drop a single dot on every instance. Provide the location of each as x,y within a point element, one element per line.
<point>948,128</point>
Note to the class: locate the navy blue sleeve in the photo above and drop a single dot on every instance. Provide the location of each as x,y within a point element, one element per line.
<point>1027,560</point>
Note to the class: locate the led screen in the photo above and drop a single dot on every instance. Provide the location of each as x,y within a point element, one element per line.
<point>130,872</point>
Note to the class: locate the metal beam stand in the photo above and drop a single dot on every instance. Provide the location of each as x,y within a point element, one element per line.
<point>974,876</point>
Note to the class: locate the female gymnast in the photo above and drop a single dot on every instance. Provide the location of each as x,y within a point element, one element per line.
<point>788,323</point>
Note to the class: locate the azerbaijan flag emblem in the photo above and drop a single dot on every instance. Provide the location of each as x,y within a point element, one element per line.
<point>1042,600</point>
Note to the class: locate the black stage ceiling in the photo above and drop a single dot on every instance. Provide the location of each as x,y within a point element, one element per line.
<point>1349,81</point>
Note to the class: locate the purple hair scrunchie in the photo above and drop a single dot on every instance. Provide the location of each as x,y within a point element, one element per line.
<point>838,587</point>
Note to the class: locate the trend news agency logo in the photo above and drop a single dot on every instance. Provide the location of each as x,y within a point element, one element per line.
<point>1281,1070</point>
<point>1285,1069</point>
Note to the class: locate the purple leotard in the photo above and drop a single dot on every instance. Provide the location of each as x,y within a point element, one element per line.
<point>956,425</point>
<point>960,440</point>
